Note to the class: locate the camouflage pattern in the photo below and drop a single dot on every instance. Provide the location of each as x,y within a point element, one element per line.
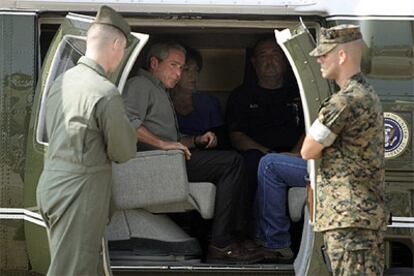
<point>351,192</point>
<point>354,251</point>
<point>330,38</point>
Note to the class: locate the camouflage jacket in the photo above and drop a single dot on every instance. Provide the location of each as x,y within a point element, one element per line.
<point>352,189</point>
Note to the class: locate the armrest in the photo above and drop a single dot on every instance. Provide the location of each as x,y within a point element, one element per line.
<point>151,178</point>
<point>202,197</point>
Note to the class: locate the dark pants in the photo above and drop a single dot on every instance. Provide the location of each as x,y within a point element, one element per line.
<point>226,170</point>
<point>251,160</point>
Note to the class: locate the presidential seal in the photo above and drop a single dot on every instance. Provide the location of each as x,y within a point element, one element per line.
<point>396,135</point>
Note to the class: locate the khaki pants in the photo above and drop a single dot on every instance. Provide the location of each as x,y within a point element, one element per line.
<point>355,251</point>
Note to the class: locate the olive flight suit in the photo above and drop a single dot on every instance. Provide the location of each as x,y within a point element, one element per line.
<point>87,130</point>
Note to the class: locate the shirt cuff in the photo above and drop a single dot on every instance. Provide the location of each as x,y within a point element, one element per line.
<point>136,123</point>
<point>322,133</point>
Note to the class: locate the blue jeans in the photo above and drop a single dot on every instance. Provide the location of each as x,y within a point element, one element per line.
<point>276,173</point>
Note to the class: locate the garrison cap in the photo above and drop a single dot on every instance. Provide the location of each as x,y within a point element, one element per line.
<point>107,15</point>
<point>330,38</point>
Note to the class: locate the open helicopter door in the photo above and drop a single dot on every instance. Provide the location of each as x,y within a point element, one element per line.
<point>296,43</point>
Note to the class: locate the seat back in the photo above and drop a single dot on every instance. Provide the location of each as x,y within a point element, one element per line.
<point>152,178</point>
<point>157,182</point>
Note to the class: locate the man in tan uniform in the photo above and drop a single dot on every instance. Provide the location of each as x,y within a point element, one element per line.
<point>348,136</point>
<point>88,130</point>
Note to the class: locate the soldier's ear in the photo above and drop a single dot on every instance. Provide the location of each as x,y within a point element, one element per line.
<point>342,54</point>
<point>119,43</point>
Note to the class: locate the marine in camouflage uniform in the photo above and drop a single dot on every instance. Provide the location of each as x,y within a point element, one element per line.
<point>88,130</point>
<point>349,137</point>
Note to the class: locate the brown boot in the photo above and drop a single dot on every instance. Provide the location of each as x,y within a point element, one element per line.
<point>233,254</point>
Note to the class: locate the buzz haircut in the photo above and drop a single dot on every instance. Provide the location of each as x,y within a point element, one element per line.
<point>103,33</point>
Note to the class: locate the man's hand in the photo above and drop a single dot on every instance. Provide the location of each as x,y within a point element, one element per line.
<point>166,145</point>
<point>209,139</point>
<point>145,136</point>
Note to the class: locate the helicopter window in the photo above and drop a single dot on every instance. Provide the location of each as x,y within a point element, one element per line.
<point>388,56</point>
<point>70,49</point>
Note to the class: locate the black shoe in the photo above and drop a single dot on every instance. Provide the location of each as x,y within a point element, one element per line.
<point>280,255</point>
<point>233,254</point>
<point>251,245</point>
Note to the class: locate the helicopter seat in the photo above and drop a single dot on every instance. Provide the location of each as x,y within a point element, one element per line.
<point>144,190</point>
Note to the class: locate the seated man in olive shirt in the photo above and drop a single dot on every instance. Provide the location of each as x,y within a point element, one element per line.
<point>151,112</point>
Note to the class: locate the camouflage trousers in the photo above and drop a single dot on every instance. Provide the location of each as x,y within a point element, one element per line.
<point>355,251</point>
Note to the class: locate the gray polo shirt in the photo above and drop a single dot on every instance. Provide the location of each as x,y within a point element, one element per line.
<point>148,103</point>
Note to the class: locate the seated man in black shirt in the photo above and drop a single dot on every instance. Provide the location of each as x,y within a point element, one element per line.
<point>265,115</point>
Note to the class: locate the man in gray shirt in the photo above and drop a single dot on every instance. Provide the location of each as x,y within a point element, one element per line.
<point>151,112</point>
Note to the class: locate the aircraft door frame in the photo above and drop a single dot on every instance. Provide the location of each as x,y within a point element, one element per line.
<point>68,45</point>
<point>296,44</point>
